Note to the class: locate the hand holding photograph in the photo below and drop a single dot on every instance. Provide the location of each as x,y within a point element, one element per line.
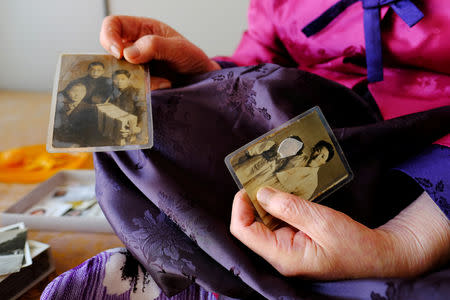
<point>99,104</point>
<point>301,157</point>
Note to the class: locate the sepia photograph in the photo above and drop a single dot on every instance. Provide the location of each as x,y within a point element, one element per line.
<point>301,157</point>
<point>11,262</point>
<point>99,104</point>
<point>67,200</point>
<point>14,248</point>
<point>49,208</point>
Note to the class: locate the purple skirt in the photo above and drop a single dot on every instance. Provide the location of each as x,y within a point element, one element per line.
<point>171,205</point>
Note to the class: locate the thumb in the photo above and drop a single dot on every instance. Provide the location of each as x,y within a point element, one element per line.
<point>309,217</point>
<point>157,83</point>
<point>181,55</point>
<point>150,47</point>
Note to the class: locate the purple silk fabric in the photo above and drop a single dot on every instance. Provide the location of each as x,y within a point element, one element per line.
<point>171,204</point>
<point>431,170</point>
<point>113,275</point>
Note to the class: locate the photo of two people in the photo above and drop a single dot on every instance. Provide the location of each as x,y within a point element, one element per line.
<point>99,102</point>
<point>302,158</point>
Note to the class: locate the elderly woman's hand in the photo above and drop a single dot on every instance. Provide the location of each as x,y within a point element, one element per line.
<point>141,40</point>
<point>322,243</point>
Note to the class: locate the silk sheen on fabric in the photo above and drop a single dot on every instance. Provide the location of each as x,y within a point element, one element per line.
<point>171,204</point>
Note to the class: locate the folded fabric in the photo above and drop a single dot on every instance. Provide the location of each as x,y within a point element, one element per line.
<point>170,205</point>
<point>114,275</point>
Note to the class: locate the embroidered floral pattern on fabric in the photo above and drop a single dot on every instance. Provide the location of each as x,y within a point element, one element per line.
<point>261,68</point>
<point>436,191</point>
<point>161,242</point>
<point>165,126</point>
<point>192,224</point>
<point>130,271</point>
<point>391,292</point>
<point>241,96</point>
<point>111,275</point>
<point>430,171</point>
<point>127,279</point>
<point>425,85</point>
<point>428,83</point>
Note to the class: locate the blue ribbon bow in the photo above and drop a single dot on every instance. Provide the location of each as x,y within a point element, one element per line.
<point>406,10</point>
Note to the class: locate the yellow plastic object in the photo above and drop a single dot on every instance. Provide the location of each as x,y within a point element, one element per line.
<point>33,164</point>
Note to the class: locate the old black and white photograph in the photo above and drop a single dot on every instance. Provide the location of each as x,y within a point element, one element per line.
<point>99,103</point>
<point>72,200</point>
<point>301,157</point>
<point>14,248</point>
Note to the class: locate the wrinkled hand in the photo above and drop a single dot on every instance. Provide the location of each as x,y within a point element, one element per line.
<point>322,243</point>
<point>141,40</point>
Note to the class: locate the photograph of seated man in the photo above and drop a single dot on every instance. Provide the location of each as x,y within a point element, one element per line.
<point>126,96</point>
<point>76,119</point>
<point>73,117</point>
<point>98,87</point>
<point>125,108</point>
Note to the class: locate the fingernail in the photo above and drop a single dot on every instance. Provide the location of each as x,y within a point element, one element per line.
<point>164,85</point>
<point>264,195</point>
<point>131,52</point>
<point>115,51</point>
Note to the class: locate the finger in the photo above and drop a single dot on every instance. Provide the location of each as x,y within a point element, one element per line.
<point>254,235</point>
<point>242,214</point>
<point>111,36</point>
<point>180,55</point>
<point>307,216</point>
<point>118,32</point>
<point>285,236</point>
<point>155,47</point>
<point>157,83</point>
<point>243,226</point>
<point>243,222</point>
<point>280,248</point>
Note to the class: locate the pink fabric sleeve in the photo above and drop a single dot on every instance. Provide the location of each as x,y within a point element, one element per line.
<point>416,60</point>
<point>259,43</point>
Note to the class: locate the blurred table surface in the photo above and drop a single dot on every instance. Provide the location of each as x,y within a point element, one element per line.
<point>24,121</point>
